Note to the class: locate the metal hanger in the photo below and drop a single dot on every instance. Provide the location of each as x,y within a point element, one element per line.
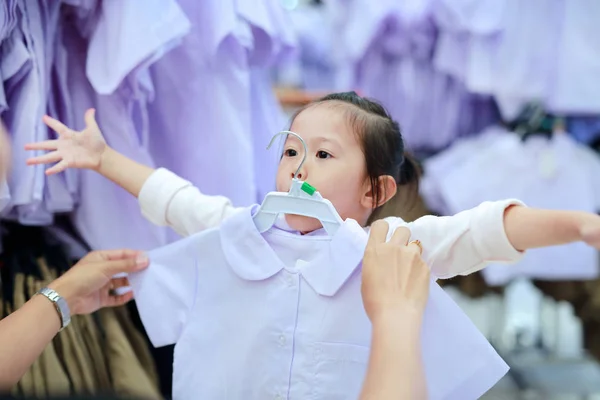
<point>302,199</point>
<point>533,120</point>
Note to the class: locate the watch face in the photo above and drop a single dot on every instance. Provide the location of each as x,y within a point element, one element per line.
<point>61,305</point>
<point>64,311</point>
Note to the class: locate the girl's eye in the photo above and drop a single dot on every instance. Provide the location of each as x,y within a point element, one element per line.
<point>291,153</point>
<point>323,154</point>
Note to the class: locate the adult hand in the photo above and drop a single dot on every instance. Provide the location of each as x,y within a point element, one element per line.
<point>89,285</point>
<point>395,279</point>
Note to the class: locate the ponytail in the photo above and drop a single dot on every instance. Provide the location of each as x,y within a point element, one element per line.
<point>405,201</point>
<point>410,171</point>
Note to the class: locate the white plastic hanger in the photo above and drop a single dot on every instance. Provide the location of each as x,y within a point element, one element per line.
<point>302,199</point>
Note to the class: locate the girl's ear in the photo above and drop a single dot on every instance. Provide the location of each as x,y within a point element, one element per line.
<point>386,186</point>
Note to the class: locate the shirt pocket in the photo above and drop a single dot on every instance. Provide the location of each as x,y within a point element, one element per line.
<point>340,370</point>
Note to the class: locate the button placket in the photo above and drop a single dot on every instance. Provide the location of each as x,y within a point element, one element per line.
<point>289,278</point>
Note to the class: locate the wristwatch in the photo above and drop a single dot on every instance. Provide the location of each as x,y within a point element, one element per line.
<point>62,308</point>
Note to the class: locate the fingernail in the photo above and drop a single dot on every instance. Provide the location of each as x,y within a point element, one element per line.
<point>141,260</point>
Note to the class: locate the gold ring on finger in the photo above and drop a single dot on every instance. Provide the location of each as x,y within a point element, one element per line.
<point>418,243</point>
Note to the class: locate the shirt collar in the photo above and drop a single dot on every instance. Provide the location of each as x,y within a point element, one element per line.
<point>252,258</point>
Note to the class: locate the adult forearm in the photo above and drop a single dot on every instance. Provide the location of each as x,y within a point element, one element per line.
<point>395,366</point>
<point>528,228</point>
<point>23,336</point>
<point>123,171</point>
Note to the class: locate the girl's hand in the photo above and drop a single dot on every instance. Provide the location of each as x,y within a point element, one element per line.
<point>395,279</point>
<point>72,149</point>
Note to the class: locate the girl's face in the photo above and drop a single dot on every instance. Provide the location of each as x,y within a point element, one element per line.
<point>335,165</point>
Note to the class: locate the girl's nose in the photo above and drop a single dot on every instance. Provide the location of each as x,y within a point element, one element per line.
<point>302,173</point>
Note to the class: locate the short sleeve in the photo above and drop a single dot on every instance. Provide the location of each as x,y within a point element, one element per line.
<point>466,242</point>
<point>165,292</point>
<point>128,36</point>
<point>459,362</point>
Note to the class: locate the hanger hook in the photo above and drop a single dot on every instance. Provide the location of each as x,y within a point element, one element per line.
<point>300,139</point>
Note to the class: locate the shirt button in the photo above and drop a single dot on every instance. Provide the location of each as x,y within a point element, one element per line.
<point>290,280</point>
<point>278,397</point>
<point>281,340</point>
<point>317,352</point>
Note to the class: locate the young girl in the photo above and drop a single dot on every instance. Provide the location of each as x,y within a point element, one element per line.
<point>311,339</point>
<point>356,160</point>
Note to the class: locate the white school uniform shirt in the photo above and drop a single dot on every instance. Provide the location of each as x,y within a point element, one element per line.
<point>452,245</point>
<point>280,316</point>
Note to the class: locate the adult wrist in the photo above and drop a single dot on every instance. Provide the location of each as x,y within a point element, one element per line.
<point>60,305</point>
<point>404,318</point>
<point>66,292</point>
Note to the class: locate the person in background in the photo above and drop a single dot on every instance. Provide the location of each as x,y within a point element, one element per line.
<point>85,288</point>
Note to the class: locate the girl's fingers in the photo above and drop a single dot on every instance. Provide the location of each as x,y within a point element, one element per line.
<point>60,167</point>
<point>90,119</point>
<point>45,159</point>
<point>45,145</point>
<point>56,125</point>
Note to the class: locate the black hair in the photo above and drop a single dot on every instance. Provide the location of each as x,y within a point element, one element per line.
<point>383,148</point>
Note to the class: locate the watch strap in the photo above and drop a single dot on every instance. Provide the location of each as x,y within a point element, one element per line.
<point>62,308</point>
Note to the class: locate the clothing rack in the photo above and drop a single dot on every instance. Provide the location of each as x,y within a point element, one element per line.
<point>293,97</point>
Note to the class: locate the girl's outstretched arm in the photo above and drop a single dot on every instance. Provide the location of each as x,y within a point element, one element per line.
<point>529,228</point>
<point>165,199</point>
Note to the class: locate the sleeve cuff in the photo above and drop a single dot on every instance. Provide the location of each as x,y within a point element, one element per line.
<point>156,194</point>
<point>488,230</point>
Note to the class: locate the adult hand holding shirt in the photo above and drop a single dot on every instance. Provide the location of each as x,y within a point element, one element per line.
<point>395,288</point>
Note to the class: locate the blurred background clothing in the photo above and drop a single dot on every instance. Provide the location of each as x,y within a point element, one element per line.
<point>497,99</point>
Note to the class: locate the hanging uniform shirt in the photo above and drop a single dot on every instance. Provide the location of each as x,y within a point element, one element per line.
<point>20,66</point>
<point>212,59</point>
<point>272,41</point>
<point>280,315</point>
<point>576,57</point>
<point>109,72</point>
